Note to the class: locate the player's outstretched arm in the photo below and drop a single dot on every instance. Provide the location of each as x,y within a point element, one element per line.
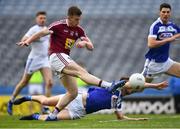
<point>158,86</point>
<point>153,43</point>
<point>121,116</point>
<point>35,37</point>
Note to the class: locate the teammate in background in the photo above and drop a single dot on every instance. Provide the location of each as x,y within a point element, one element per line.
<point>88,102</point>
<point>161,34</point>
<point>37,60</point>
<point>64,34</point>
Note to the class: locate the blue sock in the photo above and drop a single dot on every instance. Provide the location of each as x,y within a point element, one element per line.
<point>36,116</point>
<point>28,97</point>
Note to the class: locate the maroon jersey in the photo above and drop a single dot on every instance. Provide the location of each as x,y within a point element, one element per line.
<point>63,37</point>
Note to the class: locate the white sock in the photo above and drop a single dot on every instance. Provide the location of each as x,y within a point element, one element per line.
<point>12,99</point>
<point>105,84</point>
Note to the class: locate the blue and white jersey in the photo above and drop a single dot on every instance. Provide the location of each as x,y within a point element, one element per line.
<point>100,98</point>
<point>160,31</point>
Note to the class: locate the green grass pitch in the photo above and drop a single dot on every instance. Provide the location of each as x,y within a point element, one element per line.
<point>94,121</point>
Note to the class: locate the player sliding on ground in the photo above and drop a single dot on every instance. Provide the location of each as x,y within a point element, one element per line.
<point>85,103</point>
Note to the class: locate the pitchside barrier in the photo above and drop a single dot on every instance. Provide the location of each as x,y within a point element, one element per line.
<point>150,101</point>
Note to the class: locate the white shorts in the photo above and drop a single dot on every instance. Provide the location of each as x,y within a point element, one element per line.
<point>35,89</point>
<point>152,68</point>
<point>58,61</point>
<point>34,64</point>
<point>76,108</point>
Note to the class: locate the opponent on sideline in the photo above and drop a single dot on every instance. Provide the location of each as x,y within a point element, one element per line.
<point>161,34</point>
<point>88,102</point>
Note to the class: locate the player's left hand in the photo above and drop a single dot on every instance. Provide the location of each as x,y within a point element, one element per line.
<point>22,43</point>
<point>89,46</point>
<point>161,85</point>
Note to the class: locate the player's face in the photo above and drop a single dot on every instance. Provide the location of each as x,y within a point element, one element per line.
<point>74,20</point>
<point>165,14</point>
<point>41,20</point>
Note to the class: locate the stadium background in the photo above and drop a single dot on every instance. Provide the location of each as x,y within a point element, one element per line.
<point>117,28</point>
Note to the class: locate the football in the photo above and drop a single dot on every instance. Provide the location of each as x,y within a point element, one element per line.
<point>137,80</point>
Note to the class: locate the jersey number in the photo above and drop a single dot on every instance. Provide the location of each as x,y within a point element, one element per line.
<point>69,43</point>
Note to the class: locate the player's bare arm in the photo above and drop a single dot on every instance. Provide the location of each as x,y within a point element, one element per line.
<point>85,42</point>
<point>158,86</point>
<point>177,36</point>
<point>35,37</point>
<point>121,116</point>
<point>24,38</point>
<point>153,43</point>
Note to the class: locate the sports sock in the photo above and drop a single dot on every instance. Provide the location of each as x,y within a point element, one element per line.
<point>23,99</point>
<point>28,97</point>
<point>56,111</point>
<point>12,99</point>
<point>104,84</point>
<point>36,116</point>
<point>53,116</point>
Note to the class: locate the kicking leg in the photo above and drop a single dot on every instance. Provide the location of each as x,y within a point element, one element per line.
<point>76,70</point>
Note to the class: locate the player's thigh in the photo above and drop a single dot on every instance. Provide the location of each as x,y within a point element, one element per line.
<point>174,70</point>
<point>73,69</point>
<point>52,101</point>
<point>69,83</point>
<point>64,115</point>
<point>47,74</point>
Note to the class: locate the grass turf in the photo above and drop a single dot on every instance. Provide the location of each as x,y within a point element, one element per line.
<point>95,121</point>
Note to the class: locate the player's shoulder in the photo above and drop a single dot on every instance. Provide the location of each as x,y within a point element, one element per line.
<point>156,23</point>
<point>80,28</point>
<point>171,23</point>
<point>33,27</point>
<point>57,23</point>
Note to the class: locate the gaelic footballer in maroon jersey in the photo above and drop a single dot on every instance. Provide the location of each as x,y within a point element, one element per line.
<point>64,34</point>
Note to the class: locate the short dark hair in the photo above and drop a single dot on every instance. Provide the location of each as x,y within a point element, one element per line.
<point>74,10</point>
<point>164,5</point>
<point>41,13</point>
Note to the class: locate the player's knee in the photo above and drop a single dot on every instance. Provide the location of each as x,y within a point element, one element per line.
<point>82,73</point>
<point>44,101</point>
